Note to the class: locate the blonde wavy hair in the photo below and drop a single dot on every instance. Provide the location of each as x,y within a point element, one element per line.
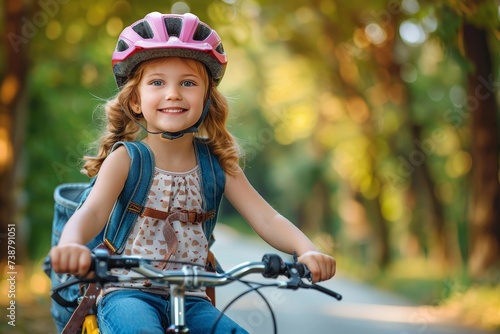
<point>121,122</point>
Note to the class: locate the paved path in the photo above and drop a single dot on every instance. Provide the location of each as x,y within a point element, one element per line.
<point>362,310</point>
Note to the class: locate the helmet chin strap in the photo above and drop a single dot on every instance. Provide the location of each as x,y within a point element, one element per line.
<point>178,134</point>
<point>191,129</point>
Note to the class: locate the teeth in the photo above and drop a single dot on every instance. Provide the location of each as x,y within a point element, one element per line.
<point>172,110</point>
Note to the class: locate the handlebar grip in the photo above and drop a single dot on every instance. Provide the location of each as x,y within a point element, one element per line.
<point>102,261</point>
<point>274,267</point>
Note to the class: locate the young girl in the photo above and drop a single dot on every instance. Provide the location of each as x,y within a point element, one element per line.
<point>167,68</point>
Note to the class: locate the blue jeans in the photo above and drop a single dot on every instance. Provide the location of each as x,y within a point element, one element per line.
<point>137,312</point>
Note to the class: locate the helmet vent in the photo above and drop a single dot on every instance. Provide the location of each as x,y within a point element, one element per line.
<point>173,25</point>
<point>144,30</point>
<point>121,46</point>
<point>202,32</point>
<point>220,49</point>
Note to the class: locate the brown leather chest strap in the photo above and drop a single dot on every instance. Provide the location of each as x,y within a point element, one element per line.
<point>191,216</point>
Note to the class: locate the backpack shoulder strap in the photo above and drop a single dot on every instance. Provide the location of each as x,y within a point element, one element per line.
<point>132,199</point>
<point>127,207</point>
<point>213,180</point>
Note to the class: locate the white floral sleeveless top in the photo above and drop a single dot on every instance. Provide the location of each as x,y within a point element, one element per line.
<point>162,239</point>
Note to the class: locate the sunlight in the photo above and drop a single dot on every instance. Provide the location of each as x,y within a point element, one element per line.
<point>9,89</point>
<point>350,160</point>
<point>448,142</point>
<point>458,164</point>
<point>432,56</point>
<point>412,33</point>
<point>180,7</point>
<point>360,39</point>
<point>298,123</point>
<point>303,118</point>
<point>325,135</point>
<point>74,33</point>
<point>410,7</point>
<point>369,187</point>
<point>391,204</point>
<point>357,109</point>
<point>389,120</point>
<point>53,30</point>
<point>114,26</point>
<point>6,153</point>
<point>378,95</point>
<point>331,107</point>
<point>40,283</point>
<point>289,106</point>
<point>89,74</point>
<point>375,33</point>
<point>429,23</point>
<point>408,73</point>
<point>304,15</point>
<point>458,95</point>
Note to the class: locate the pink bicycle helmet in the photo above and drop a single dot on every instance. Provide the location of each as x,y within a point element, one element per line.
<point>168,35</point>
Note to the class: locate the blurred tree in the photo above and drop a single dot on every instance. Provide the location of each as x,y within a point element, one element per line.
<point>17,31</point>
<point>473,26</point>
<point>339,106</point>
<point>321,31</point>
<point>485,145</point>
<point>358,58</point>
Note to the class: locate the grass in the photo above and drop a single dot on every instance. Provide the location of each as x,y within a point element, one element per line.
<point>421,280</point>
<point>429,283</point>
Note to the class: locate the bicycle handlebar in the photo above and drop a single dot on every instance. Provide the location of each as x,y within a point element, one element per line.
<point>192,277</point>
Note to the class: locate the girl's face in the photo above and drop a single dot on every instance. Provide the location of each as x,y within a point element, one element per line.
<point>172,93</point>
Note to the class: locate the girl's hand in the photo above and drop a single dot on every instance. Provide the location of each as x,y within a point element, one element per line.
<point>321,266</point>
<point>71,258</point>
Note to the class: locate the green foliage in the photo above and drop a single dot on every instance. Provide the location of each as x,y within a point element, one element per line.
<point>351,115</point>
<point>337,109</point>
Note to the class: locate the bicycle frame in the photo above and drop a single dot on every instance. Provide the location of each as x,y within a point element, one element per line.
<point>90,325</point>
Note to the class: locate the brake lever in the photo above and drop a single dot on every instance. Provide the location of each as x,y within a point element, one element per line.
<point>295,276</point>
<point>326,291</point>
<point>302,269</point>
<point>295,282</point>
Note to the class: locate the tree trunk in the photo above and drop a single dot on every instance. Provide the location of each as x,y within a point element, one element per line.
<point>12,87</point>
<point>382,245</point>
<point>485,200</point>
<point>440,245</point>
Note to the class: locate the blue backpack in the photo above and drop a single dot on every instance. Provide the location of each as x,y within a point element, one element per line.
<point>128,207</point>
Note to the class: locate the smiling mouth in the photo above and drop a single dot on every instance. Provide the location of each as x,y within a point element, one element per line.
<point>172,111</point>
